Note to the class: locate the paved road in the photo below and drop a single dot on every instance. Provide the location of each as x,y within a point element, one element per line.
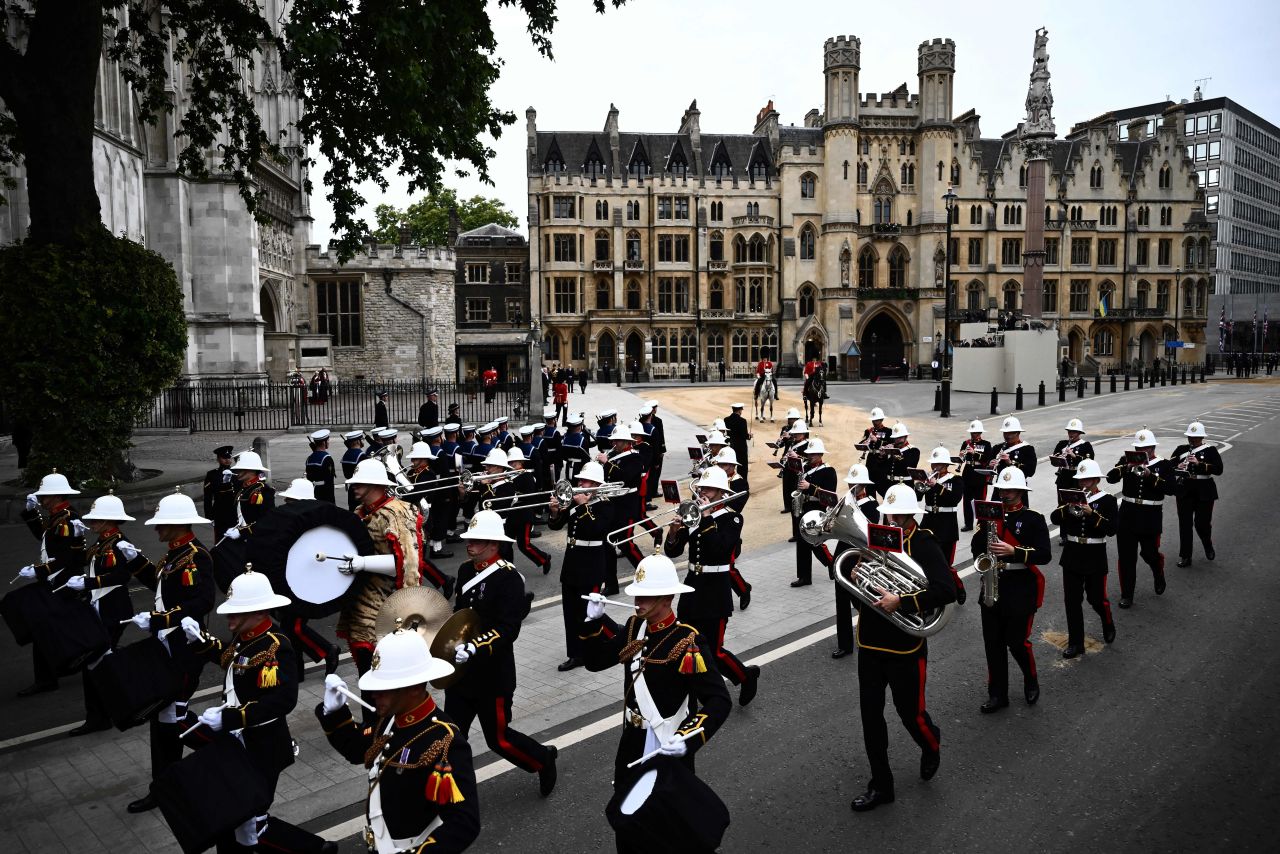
<point>1150,716</point>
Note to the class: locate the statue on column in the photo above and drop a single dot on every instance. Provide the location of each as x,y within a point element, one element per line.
<point>1039,93</point>
<point>844,265</point>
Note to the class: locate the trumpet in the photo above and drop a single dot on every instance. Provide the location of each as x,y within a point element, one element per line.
<point>687,513</point>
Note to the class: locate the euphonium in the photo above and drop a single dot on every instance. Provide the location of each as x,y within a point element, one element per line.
<point>835,523</point>
<point>861,570</point>
<point>988,567</point>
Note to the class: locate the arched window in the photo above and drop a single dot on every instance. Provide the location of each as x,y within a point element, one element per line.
<point>1095,176</point>
<point>602,209</point>
<point>553,346</point>
<point>757,294</point>
<point>1204,252</point>
<point>578,346</point>
<point>715,348</point>
<point>975,214</point>
<point>883,207</point>
<point>739,250</point>
<point>633,246</point>
<point>717,211</point>
<point>955,214</point>
<point>1017,212</point>
<point>1107,295</point>
<point>603,287</point>
<point>1189,253</point>
<point>1144,215</point>
<point>606,349</point>
<point>908,217</point>
<point>975,295</point>
<point>1202,293</point>
<point>1144,294</point>
<point>1048,213</point>
<point>955,173</point>
<point>1166,177</point>
<point>903,170</point>
<point>770,344</point>
<point>660,346</point>
<point>602,246</point>
<point>716,294</point>
<point>755,250</point>
<point>808,186</point>
<point>759,170</point>
<point>866,146</point>
<point>898,267</point>
<point>808,243</point>
<point>739,352</point>
<point>755,346</point>
<point>740,295</point>
<point>862,173</point>
<point>1010,295</point>
<point>554,164</point>
<point>633,295</point>
<point>902,147</point>
<point>805,304</point>
<point>717,245</point>
<point>867,268</point>
<point>940,165</point>
<point>1022,176</point>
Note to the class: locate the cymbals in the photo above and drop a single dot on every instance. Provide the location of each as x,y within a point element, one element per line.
<point>458,629</point>
<point>422,609</point>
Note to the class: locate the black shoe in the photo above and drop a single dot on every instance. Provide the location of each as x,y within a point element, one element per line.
<point>447,590</point>
<point>929,762</point>
<point>547,775</point>
<point>650,507</point>
<point>800,582</point>
<point>993,704</point>
<point>569,664</point>
<point>440,554</point>
<point>38,688</point>
<point>533,535</point>
<point>792,540</point>
<point>840,653</point>
<point>1032,692</point>
<point>966,528</point>
<point>90,726</point>
<point>331,660</point>
<point>1184,561</point>
<point>1160,584</point>
<point>870,799</point>
<point>1072,651</point>
<point>546,568</point>
<point>1209,553</point>
<point>749,687</point>
<point>1109,632</point>
<point>143,804</point>
<point>1126,602</point>
<point>744,600</point>
<point>962,595</point>
<point>784,511</point>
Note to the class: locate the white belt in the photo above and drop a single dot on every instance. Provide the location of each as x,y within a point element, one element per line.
<point>584,544</point>
<point>1013,566</point>
<point>955,509</point>
<point>1203,477</point>
<point>700,568</point>
<point>1143,501</point>
<point>1085,541</point>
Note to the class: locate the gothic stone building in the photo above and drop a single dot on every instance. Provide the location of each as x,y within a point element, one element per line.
<point>828,240</point>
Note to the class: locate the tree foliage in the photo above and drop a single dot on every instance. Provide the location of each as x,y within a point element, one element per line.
<point>428,219</point>
<point>110,336</point>
<point>384,84</point>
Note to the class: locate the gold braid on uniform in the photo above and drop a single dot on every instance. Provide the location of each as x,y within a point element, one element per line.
<point>266,659</point>
<point>441,786</point>
<point>692,661</point>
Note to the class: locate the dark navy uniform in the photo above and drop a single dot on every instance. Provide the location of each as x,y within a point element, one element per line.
<point>350,458</point>
<point>421,769</point>
<point>443,502</point>
<point>974,455</point>
<point>658,441</point>
<point>737,429</point>
<point>574,451</point>
<point>253,501</point>
<point>942,497</point>
<point>901,464</point>
<point>220,499</point>
<point>61,556</point>
<point>708,608</point>
<point>320,471</point>
<point>496,593</point>
<point>686,694</point>
<point>1066,456</point>
<point>585,566</point>
<point>1141,522</point>
<point>1195,494</point>
<point>106,585</point>
<point>259,695</point>
<point>890,658</point>
<point>1007,624</point>
<point>625,467</point>
<point>519,523</point>
<point>1084,563</point>
<point>877,464</point>
<point>1021,456</point>
<point>739,505</point>
<point>820,496</point>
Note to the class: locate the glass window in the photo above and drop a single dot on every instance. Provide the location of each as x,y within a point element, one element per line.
<point>1103,343</point>
<point>338,312</point>
<point>602,246</point>
<point>1215,150</point>
<point>1165,252</point>
<point>1107,253</point>
<point>1202,124</point>
<point>715,347</point>
<point>514,271</point>
<point>1202,152</point>
<point>1051,250</point>
<point>1011,251</point>
<point>515,309</point>
<point>477,310</point>
<point>1079,295</point>
<point>717,245</point>
<point>1189,126</point>
<point>664,207</point>
<point>1215,122</point>
<point>975,251</point>
<point>566,296</point>
<point>1143,252</point>
<point>682,207</point>
<point>1049,301</point>
<point>563,207</point>
<point>578,346</point>
<point>566,248</point>
<point>807,186</point>
<point>1211,204</point>
<point>477,274</point>
<point>1162,295</point>
<point>1081,249</point>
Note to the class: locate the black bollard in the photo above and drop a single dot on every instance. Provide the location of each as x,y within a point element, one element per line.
<point>1141,374</point>
<point>1062,390</point>
<point>937,398</point>
<point>1040,399</point>
<point>1079,387</point>
<point>1113,383</point>
<point>995,401</point>
<point>1163,379</point>
<point>1126,380</point>
<point>1017,397</point>
<point>1097,384</point>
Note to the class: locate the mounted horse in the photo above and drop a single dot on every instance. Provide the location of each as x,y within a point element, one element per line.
<point>766,391</point>
<point>814,393</point>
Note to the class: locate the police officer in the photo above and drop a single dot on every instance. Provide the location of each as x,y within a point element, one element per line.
<point>320,468</point>
<point>739,432</point>
<point>494,589</point>
<point>220,492</point>
<point>818,483</point>
<point>1085,528</point>
<point>1145,485</point>
<point>976,454</point>
<point>260,691</point>
<point>1068,453</point>
<point>941,495</point>
<point>351,457</point>
<point>1194,465</point>
<point>890,658</point>
<point>422,781</point>
<point>860,497</point>
<point>1021,543</point>
<point>709,605</point>
<point>429,412</point>
<point>585,564</point>
<point>61,536</point>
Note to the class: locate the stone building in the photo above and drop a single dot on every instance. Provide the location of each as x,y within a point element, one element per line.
<point>492,296</point>
<point>239,277</point>
<point>828,240</point>
<point>387,314</point>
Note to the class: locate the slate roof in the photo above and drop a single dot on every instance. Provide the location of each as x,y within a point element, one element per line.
<point>575,147</point>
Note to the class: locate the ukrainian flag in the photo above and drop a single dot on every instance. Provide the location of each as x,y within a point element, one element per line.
<point>1102,306</point>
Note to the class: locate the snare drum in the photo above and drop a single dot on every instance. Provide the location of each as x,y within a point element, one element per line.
<point>210,793</point>
<point>136,680</point>
<point>661,805</point>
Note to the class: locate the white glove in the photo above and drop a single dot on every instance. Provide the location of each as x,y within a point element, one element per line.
<point>79,527</point>
<point>192,629</point>
<point>595,606</point>
<point>212,718</point>
<point>27,571</point>
<point>673,748</point>
<point>232,534</point>
<point>142,620</point>
<point>33,503</point>
<point>463,651</point>
<point>128,549</point>
<point>334,699</point>
<point>227,475</point>
<point>76,582</point>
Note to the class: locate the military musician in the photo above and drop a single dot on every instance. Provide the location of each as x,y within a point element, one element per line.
<point>623,465</point>
<point>254,496</point>
<point>793,465</point>
<point>1195,464</point>
<point>727,461</point>
<point>780,447</point>
<point>861,498</point>
<point>941,494</point>
<point>585,564</point>
<point>902,459</point>
<point>976,455</point>
<point>519,522</point>
<point>1068,453</point>
<point>319,466</point>
<point>874,438</point>
<point>1013,451</point>
<point>817,485</point>
<point>1085,526</point>
<point>1145,482</point>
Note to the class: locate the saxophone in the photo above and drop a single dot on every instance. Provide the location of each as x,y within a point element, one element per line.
<point>988,567</point>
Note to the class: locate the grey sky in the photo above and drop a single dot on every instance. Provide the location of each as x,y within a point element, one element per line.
<point>652,57</point>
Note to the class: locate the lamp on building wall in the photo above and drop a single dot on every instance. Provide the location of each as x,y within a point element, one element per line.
<point>950,198</point>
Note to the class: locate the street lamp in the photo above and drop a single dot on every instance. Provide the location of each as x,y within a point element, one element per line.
<point>1177,308</point>
<point>950,198</point>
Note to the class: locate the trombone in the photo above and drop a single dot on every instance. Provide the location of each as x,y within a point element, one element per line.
<point>687,513</point>
<point>563,492</point>
<point>467,480</point>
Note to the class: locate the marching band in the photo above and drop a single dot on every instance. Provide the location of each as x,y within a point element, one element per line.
<point>895,531</point>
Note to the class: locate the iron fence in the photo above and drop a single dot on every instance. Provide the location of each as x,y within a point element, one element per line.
<point>238,406</point>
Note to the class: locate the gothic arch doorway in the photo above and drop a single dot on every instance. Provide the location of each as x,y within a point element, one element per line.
<point>814,346</point>
<point>882,346</point>
<point>1075,345</point>
<point>267,308</point>
<point>635,352</point>
<point>606,349</point>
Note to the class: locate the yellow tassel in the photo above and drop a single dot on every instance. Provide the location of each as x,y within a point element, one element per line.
<point>455,796</point>
<point>188,578</point>
<point>267,676</point>
<point>700,666</point>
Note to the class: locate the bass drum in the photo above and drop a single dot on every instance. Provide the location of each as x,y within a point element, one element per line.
<point>284,547</point>
<point>661,805</point>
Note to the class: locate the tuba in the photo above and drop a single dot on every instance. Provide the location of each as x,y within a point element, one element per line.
<point>861,569</point>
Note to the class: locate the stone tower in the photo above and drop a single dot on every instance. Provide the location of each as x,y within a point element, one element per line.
<point>1036,134</point>
<point>937,71</point>
<point>842,56</point>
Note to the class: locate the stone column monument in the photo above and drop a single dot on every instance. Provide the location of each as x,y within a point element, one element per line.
<point>1036,136</point>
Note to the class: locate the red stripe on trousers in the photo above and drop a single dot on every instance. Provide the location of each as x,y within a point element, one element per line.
<point>502,736</point>
<point>1106,600</point>
<point>298,633</point>
<point>729,662</point>
<point>529,546</point>
<point>1039,589</point>
<point>1031,656</point>
<point>929,737</point>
